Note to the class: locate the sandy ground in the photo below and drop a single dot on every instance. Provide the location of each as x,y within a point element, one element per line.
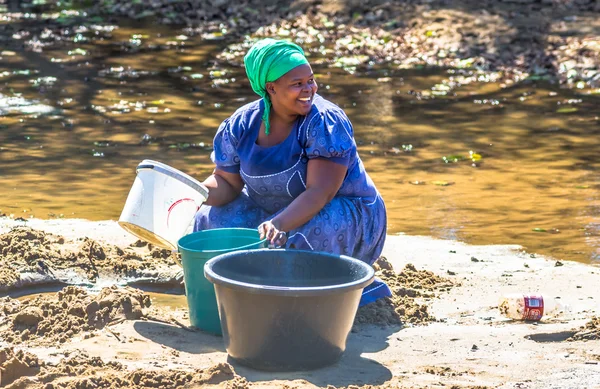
<point>458,339</point>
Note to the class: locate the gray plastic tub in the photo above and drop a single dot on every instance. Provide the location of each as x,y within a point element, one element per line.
<point>285,310</point>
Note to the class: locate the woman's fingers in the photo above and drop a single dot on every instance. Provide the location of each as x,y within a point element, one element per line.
<point>272,234</point>
<point>280,238</point>
<point>262,230</point>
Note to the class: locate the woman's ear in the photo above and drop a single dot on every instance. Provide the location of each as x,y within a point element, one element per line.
<point>270,86</point>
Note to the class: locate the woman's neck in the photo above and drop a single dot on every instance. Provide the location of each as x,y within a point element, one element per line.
<point>281,123</point>
<point>280,128</point>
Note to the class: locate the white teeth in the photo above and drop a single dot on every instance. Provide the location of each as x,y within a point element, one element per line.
<point>305,99</point>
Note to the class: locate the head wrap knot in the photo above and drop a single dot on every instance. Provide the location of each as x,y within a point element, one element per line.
<point>268,60</point>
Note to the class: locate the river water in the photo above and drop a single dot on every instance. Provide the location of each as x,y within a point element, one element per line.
<point>455,153</point>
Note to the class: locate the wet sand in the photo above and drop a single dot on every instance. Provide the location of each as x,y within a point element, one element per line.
<point>441,328</point>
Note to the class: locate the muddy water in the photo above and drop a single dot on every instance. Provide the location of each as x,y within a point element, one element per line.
<point>480,162</point>
<point>167,300</point>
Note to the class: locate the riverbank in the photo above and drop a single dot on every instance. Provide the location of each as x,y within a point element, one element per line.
<point>454,336</point>
<point>509,41</point>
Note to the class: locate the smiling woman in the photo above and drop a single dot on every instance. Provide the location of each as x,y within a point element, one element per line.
<point>287,164</point>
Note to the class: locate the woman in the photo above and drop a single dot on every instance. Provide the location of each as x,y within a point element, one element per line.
<point>287,164</point>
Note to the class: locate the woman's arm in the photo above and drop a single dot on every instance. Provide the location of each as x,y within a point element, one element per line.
<point>223,187</point>
<point>323,180</point>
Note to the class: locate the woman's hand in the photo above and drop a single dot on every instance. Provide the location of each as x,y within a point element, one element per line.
<point>275,237</point>
<point>323,180</point>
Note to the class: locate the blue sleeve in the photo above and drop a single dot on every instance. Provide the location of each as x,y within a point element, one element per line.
<point>330,135</point>
<point>225,145</point>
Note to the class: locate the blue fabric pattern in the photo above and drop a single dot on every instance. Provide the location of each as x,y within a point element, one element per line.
<point>353,223</point>
<point>376,290</point>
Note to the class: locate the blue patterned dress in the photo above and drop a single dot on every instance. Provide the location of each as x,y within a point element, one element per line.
<point>353,223</point>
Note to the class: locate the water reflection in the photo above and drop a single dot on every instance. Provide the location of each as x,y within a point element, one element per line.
<point>128,94</point>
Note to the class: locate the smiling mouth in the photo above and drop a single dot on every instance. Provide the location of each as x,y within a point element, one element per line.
<point>305,99</point>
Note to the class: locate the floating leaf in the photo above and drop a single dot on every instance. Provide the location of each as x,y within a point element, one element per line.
<point>452,158</point>
<point>441,87</point>
<point>350,61</point>
<point>538,77</point>
<point>567,110</point>
<point>582,187</point>
<point>572,73</point>
<point>465,63</point>
<point>538,229</point>
<point>417,182</point>
<point>284,32</point>
<point>217,73</point>
<point>213,36</point>
<point>442,183</point>
<point>327,23</point>
<point>145,14</point>
<point>474,156</point>
<point>77,51</point>
<point>197,76</point>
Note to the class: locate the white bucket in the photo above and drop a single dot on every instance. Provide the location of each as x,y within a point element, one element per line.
<point>161,204</point>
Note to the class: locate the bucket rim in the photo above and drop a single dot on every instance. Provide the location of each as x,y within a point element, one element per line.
<point>166,244</point>
<point>174,173</point>
<point>292,291</point>
<point>222,251</point>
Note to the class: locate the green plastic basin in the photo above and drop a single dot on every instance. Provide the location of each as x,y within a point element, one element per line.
<point>196,249</point>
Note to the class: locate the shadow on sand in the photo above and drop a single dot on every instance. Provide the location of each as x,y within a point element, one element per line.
<point>546,337</point>
<point>193,342</point>
<point>351,369</point>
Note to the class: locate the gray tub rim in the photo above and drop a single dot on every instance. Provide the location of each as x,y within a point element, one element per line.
<point>294,291</point>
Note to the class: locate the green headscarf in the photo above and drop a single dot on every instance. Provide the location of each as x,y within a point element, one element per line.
<point>266,61</point>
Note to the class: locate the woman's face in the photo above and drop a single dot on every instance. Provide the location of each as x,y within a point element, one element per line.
<point>293,93</point>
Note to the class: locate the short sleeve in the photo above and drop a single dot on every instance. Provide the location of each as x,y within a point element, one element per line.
<point>329,135</point>
<point>225,145</point>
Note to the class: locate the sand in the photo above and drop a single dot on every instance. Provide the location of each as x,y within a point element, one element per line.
<point>590,331</point>
<point>440,329</point>
<point>80,371</point>
<point>57,318</point>
<point>30,256</point>
<point>406,285</point>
